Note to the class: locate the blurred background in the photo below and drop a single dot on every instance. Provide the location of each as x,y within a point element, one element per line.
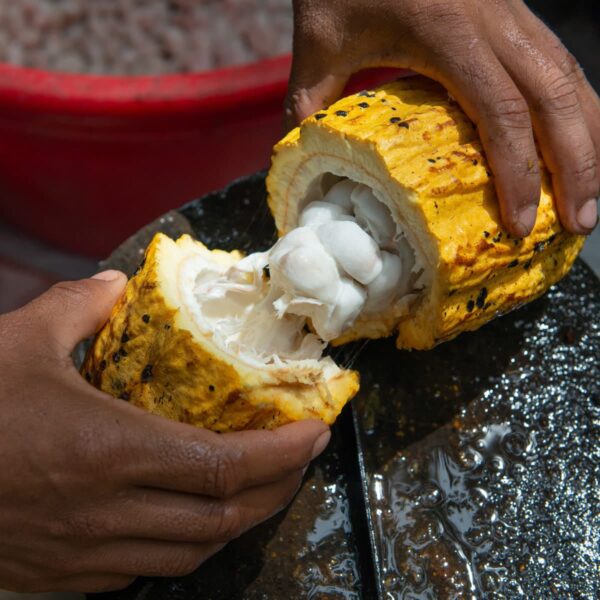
<point>139,148</point>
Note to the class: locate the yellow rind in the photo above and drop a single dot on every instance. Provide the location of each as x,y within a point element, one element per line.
<point>152,354</point>
<point>427,158</point>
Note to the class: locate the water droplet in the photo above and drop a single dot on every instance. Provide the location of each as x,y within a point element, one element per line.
<point>469,458</point>
<point>417,574</point>
<point>499,530</point>
<point>555,472</point>
<point>425,532</point>
<point>413,468</point>
<point>485,516</point>
<point>490,581</point>
<point>518,471</point>
<point>479,497</point>
<point>514,444</point>
<point>431,496</point>
<point>477,536</point>
<point>497,464</point>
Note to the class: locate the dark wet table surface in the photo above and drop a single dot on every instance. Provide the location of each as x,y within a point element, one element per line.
<point>468,471</point>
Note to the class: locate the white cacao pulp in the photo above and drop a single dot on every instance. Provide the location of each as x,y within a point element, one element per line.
<point>346,258</point>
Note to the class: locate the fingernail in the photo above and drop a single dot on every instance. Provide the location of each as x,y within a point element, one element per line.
<point>526,220</point>
<point>107,275</point>
<point>587,217</point>
<point>320,444</point>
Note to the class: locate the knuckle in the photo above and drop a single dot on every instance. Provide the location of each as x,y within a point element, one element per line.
<point>438,11</point>
<point>559,97</point>
<point>88,454</point>
<point>59,528</point>
<point>314,32</point>
<point>72,290</point>
<point>570,66</point>
<point>86,527</point>
<point>221,471</point>
<point>586,169</point>
<point>510,111</point>
<point>229,523</point>
<point>98,448</point>
<point>183,563</point>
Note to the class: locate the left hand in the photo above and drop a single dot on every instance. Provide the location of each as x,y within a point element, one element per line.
<point>508,71</point>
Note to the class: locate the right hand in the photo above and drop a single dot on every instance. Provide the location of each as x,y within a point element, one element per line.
<point>509,72</point>
<point>94,491</point>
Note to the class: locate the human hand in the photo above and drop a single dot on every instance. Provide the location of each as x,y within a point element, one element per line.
<point>511,75</point>
<point>94,491</point>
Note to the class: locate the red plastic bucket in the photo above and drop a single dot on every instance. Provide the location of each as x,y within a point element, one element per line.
<point>86,160</point>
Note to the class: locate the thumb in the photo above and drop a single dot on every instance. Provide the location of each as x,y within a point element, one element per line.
<point>70,311</point>
<point>314,85</point>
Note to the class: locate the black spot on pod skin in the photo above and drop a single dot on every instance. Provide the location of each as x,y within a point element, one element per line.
<point>431,160</point>
<point>366,94</point>
<point>88,377</point>
<point>211,388</point>
<point>124,338</point>
<point>404,124</point>
<point>513,264</point>
<point>147,374</point>
<point>102,365</point>
<point>124,396</point>
<point>141,266</point>
<point>470,306</point>
<point>341,113</point>
<point>146,318</point>
<point>320,116</point>
<point>116,357</point>
<point>364,104</point>
<point>395,120</point>
<point>486,234</point>
<point>481,298</point>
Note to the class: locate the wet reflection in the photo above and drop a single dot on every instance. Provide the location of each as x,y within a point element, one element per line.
<point>483,459</point>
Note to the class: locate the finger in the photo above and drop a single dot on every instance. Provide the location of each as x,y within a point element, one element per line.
<point>488,95</point>
<point>178,457</point>
<point>560,125</point>
<point>309,91</point>
<point>91,583</point>
<point>72,310</point>
<point>316,81</point>
<point>143,558</point>
<point>567,63</point>
<point>175,517</point>
<point>589,101</point>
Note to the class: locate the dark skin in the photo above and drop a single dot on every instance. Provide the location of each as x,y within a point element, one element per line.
<point>93,491</point>
<point>509,72</point>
